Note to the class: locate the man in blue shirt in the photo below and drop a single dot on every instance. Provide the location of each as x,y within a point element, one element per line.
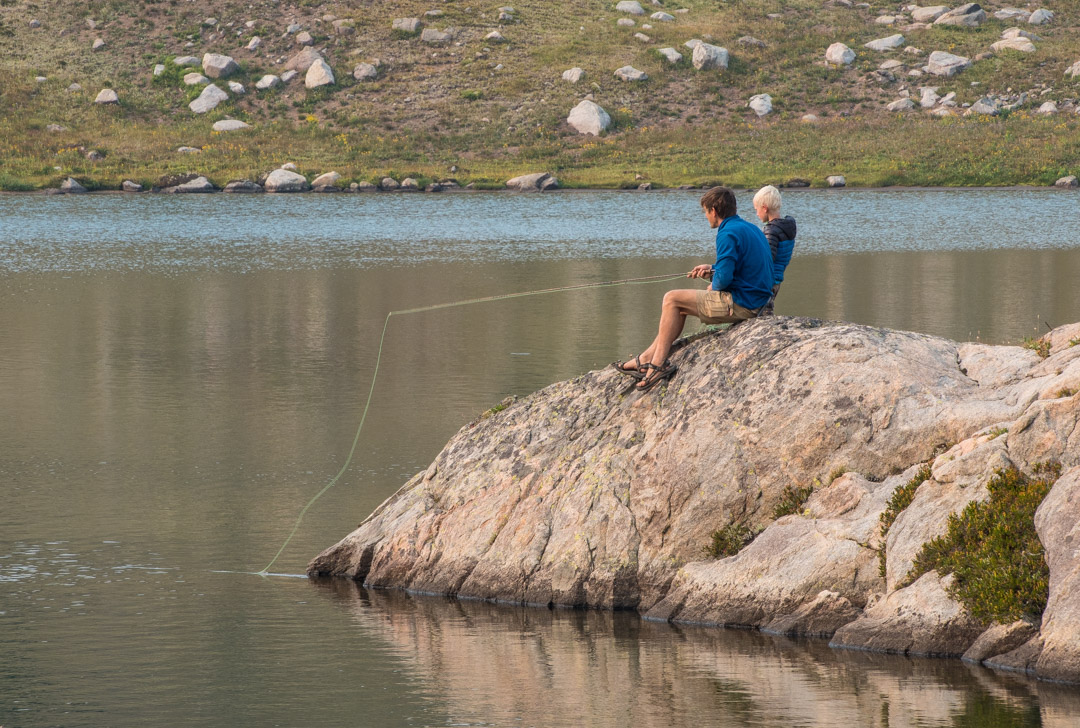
<point>742,283</point>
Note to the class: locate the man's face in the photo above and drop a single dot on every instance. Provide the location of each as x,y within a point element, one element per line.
<point>713,217</point>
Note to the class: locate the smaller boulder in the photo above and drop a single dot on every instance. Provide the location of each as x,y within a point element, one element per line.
<point>928,14</point>
<point>761,104</point>
<point>839,54</point>
<point>662,17</point>
<point>1012,14</point>
<point>1049,108</point>
<point>254,43</point>
<point>344,27</point>
<point>707,56</point>
<point>330,179</point>
<point>625,23</point>
<point>130,186</point>
<point>186,61</point>
<point>495,37</point>
<point>216,65</point>
<point>629,73</point>
<point>1021,44</point>
<point>159,69</point>
<point>388,183</point>
<point>409,185</point>
<point>199,185</point>
<point>267,81</point>
<point>535,182</point>
<point>208,100</point>
<point>195,79</point>
<point>237,88</point>
<point>632,7</point>
<point>575,74</point>
<point>588,118</point>
<point>365,72</point>
<point>289,76</point>
<point>71,187</point>
<point>435,37</point>
<point>968,15</point>
<point>304,38</point>
<point>303,60</point>
<point>748,41</point>
<point>406,25</point>
<point>1069,182</point>
<point>670,55</point>
<point>901,105</point>
<point>946,64</point>
<point>230,125</point>
<point>320,74</point>
<point>242,186</point>
<point>107,96</point>
<point>99,44</point>
<point>885,44</point>
<point>284,180</point>
<point>836,180</point>
<point>1041,17</point>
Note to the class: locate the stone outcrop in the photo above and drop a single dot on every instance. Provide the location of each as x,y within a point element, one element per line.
<point>587,494</point>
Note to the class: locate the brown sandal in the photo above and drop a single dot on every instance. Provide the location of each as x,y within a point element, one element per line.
<point>655,375</point>
<point>637,372</point>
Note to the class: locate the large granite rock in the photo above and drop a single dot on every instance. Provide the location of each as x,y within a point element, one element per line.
<point>588,118</point>
<point>943,63</point>
<point>216,65</point>
<point>707,56</point>
<point>284,180</point>
<point>1058,524</point>
<point>319,74</point>
<point>839,54</point>
<point>584,494</point>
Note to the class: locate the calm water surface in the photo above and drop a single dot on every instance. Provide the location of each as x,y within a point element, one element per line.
<point>179,375</point>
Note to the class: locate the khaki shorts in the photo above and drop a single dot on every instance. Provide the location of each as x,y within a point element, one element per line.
<point>717,307</point>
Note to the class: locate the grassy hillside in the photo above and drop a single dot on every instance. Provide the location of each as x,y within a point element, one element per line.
<point>497,109</point>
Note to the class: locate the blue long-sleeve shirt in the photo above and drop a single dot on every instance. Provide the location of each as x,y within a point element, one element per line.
<point>744,264</point>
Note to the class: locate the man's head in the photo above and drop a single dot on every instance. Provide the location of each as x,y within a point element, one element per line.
<point>767,203</point>
<point>718,204</point>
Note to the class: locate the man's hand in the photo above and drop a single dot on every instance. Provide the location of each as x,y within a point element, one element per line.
<point>701,271</point>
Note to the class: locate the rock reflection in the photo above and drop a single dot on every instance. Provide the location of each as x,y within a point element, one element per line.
<point>496,664</point>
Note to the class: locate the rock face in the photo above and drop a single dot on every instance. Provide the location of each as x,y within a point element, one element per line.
<point>536,182</point>
<point>283,180</point>
<point>208,99</point>
<point>839,54</point>
<point>588,118</point>
<point>1058,525</point>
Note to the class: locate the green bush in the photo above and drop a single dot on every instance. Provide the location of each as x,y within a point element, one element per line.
<point>729,541</point>
<point>792,500</point>
<point>993,550</point>
<point>900,500</point>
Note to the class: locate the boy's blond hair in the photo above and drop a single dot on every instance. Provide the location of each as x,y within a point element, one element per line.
<point>770,197</point>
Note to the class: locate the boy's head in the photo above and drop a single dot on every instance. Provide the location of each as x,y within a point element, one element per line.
<point>767,203</point>
<point>718,204</point>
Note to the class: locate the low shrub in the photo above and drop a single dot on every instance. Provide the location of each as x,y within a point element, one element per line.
<point>899,501</point>
<point>729,540</point>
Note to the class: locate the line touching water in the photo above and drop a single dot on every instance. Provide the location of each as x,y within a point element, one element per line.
<point>378,359</point>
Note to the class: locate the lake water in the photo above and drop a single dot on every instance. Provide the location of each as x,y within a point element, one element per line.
<point>179,375</point>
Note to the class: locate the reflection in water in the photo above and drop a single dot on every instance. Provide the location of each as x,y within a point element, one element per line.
<point>500,665</point>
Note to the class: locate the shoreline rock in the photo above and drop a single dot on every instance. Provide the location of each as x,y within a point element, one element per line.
<point>581,495</point>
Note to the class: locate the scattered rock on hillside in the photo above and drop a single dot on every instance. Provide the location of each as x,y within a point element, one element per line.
<point>237,88</point>
<point>625,23</point>
<point>319,74</point>
<point>72,187</point>
<point>1019,33</point>
<point>643,38</point>
<point>107,96</point>
<point>761,104</point>
<point>216,65</point>
<point>303,60</point>
<point>289,76</point>
<point>495,37</point>
<point>885,44</point>
<point>304,38</point>
<point>1048,108</point>
<point>159,68</point>
<point>35,23</point>
<point>1068,182</point>
<point>588,118</point>
<point>1041,17</point>
<point>99,44</point>
<point>629,73</point>
<point>942,63</point>
<point>692,43</point>
<point>662,17</point>
<point>130,186</point>
<point>968,15</point>
<point>344,27</point>
<point>267,81</point>
<point>1012,14</point>
<point>254,43</point>
<point>195,79</point>
<point>230,125</point>
<point>1021,44</point>
<point>836,180</point>
<point>901,105</point>
<point>199,185</point>
<point>536,182</point>
<point>575,74</point>
<point>186,61</point>
<point>55,128</point>
<point>630,6</point>
<point>707,56</point>
<point>406,25</point>
<point>435,37</point>
<point>670,55</point>
<point>365,72</point>
<point>929,97</point>
<point>208,100</point>
<point>388,184</point>
<point>749,41</point>
<point>987,106</point>
<point>928,14</point>
<point>839,54</point>
<point>409,185</point>
<point>284,180</point>
<point>242,186</point>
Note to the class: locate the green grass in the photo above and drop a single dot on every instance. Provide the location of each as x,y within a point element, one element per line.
<point>993,550</point>
<point>899,501</point>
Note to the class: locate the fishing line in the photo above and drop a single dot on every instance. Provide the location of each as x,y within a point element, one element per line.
<point>438,306</point>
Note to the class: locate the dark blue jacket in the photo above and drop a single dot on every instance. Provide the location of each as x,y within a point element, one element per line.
<point>744,264</point>
<point>781,236</point>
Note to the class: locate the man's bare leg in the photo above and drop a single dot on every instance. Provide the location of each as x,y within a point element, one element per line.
<point>676,307</point>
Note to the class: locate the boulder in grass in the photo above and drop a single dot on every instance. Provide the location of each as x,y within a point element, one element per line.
<point>216,65</point>
<point>195,79</point>
<point>663,17</point>
<point>761,104</point>
<point>159,68</point>
<point>968,15</point>
<point>410,185</point>
<point>1049,108</point>
<point>406,25</point>
<point>344,27</point>
<point>230,125</point>
<point>885,44</point>
<point>435,37</point>
<point>946,64</point>
<point>1019,44</point>
<point>320,74</point>
<point>901,105</point>
<point>928,14</point>
<point>573,75</point>
<point>629,73</point>
<point>267,81</point>
<point>630,6</point>
<point>1073,71</point>
<point>1041,17</point>
<point>107,96</point>
<point>303,60</point>
<point>99,44</point>
<point>289,76</point>
<point>1012,14</point>
<point>237,88</point>
<point>839,54</point>
<point>208,100</point>
<point>186,61</point>
<point>389,184</point>
<point>284,180</point>
<point>130,186</point>
<point>707,56</point>
<point>588,118</point>
<point>365,72</point>
<point>199,185</point>
<point>670,55</point>
<point>304,38</point>
<point>254,43</point>
<point>1069,182</point>
<point>836,180</point>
